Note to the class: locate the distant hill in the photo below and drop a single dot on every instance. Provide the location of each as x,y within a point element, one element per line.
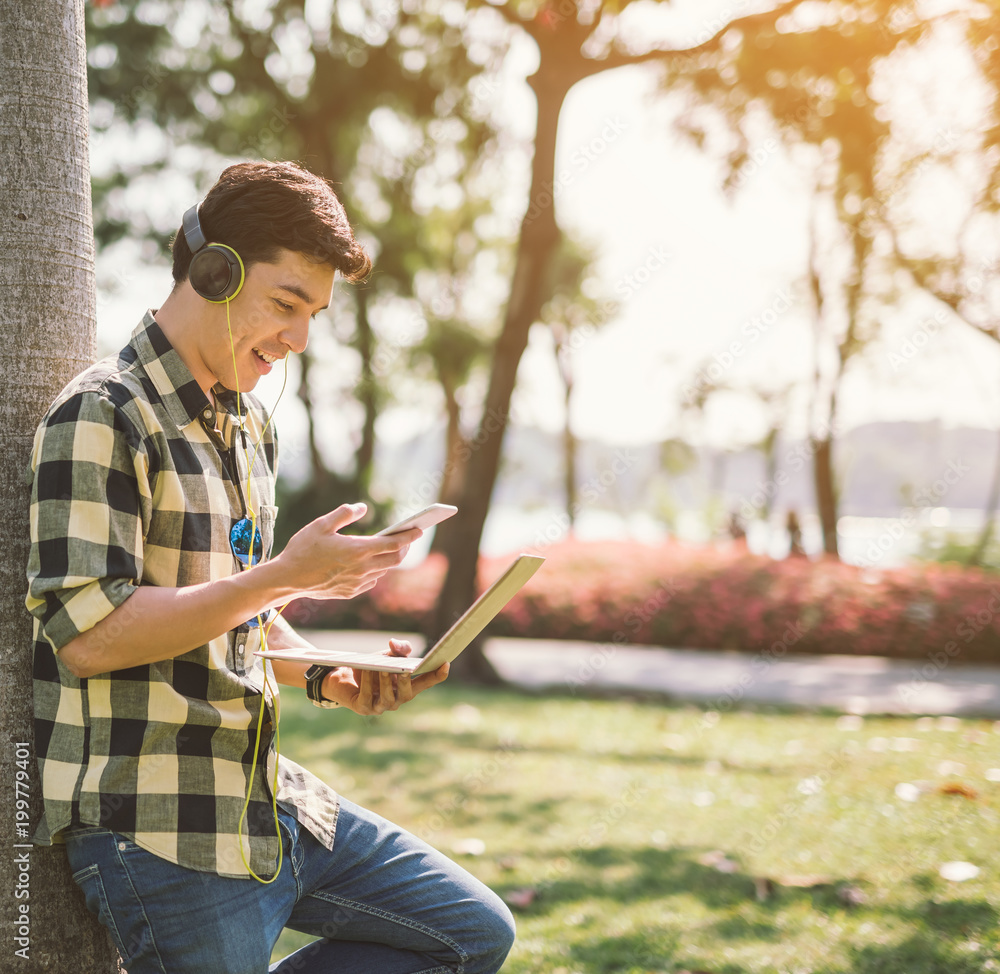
<point>882,467</point>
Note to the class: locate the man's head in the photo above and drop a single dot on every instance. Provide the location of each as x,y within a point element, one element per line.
<point>293,236</point>
<point>261,208</point>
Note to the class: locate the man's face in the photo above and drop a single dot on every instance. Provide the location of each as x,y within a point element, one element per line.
<point>269,318</point>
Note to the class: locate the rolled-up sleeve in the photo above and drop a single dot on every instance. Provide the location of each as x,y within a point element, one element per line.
<point>90,484</point>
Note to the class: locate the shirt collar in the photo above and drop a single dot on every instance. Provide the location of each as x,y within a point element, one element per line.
<point>182,397</point>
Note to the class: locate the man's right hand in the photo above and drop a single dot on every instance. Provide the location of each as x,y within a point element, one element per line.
<point>320,563</point>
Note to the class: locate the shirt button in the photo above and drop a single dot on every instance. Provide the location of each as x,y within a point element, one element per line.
<point>207,414</point>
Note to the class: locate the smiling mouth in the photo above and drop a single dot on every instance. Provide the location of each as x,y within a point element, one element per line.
<point>269,359</point>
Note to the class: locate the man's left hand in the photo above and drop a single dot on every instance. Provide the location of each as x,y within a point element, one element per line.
<point>370,693</point>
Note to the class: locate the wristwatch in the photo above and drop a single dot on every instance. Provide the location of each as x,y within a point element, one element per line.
<point>315,676</point>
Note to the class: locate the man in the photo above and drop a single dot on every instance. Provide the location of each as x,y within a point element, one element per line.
<point>152,510</point>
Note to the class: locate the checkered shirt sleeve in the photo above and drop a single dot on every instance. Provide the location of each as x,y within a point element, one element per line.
<point>90,498</point>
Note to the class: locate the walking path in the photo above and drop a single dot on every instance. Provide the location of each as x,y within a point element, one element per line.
<point>723,680</point>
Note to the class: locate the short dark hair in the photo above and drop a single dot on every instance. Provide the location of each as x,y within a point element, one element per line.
<point>258,208</point>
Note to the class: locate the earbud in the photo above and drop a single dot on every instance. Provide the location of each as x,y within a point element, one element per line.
<point>216,271</point>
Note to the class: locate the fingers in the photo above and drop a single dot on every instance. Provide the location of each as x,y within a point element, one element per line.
<point>386,692</point>
<point>404,538</point>
<point>366,691</point>
<point>379,691</point>
<point>428,680</point>
<point>399,647</point>
<point>344,515</point>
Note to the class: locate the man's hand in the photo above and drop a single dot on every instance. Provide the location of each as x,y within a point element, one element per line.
<point>370,693</point>
<point>321,563</point>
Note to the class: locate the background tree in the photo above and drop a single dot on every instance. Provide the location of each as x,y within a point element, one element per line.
<point>572,314</point>
<point>813,78</point>
<point>575,40</point>
<point>379,100</point>
<point>47,309</point>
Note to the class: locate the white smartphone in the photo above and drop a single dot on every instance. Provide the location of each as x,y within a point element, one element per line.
<point>424,519</point>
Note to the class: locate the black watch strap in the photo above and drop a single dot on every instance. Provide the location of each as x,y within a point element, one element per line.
<point>315,676</point>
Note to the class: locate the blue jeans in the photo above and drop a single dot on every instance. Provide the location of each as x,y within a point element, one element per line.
<point>382,901</point>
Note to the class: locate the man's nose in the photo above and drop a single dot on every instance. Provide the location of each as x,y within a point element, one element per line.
<point>296,335</point>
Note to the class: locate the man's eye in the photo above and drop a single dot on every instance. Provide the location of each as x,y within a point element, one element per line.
<point>284,305</point>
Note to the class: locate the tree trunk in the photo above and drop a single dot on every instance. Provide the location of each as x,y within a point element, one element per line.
<point>317,465</point>
<point>538,243</point>
<point>47,307</point>
<point>364,457</point>
<point>569,463</point>
<point>826,493</point>
<point>565,365</point>
<point>456,451</point>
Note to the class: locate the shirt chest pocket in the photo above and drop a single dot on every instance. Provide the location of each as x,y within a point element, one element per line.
<point>267,515</point>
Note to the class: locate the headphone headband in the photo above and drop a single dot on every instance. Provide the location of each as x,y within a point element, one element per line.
<point>192,229</point>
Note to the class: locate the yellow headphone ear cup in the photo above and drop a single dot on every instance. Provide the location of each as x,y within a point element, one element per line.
<point>217,273</point>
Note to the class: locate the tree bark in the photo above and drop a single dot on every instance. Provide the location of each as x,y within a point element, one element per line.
<point>47,308</point>
<point>538,243</point>
<point>826,494</point>
<point>364,456</point>
<point>456,450</point>
<point>564,363</point>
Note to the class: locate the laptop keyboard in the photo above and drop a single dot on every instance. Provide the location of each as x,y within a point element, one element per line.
<point>348,658</point>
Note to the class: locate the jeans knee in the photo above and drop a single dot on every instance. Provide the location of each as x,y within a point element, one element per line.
<point>497,932</point>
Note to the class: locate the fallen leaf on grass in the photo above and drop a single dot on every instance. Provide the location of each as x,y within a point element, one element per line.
<point>468,847</point>
<point>763,888</point>
<point>958,872</point>
<point>957,788</point>
<point>521,899</point>
<point>850,895</point>
<point>719,861</point>
<point>847,893</point>
<point>804,882</point>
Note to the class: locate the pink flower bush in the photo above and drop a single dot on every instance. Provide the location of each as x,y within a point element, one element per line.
<point>702,597</point>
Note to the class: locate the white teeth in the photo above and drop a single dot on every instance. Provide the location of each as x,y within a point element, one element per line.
<point>270,359</point>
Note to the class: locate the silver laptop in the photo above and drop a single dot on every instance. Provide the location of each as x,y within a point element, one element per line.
<point>469,625</point>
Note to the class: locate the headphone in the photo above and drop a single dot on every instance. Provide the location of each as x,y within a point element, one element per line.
<point>216,271</point>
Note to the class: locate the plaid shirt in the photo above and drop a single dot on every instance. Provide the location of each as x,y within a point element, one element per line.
<point>138,479</point>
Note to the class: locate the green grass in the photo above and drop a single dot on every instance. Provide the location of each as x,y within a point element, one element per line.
<point>608,810</point>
